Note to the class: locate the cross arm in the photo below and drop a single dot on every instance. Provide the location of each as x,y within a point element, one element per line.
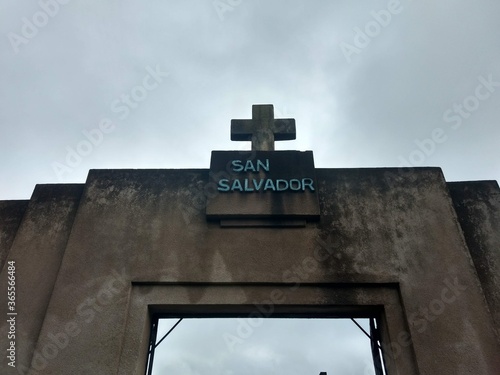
<point>284,129</point>
<point>241,130</point>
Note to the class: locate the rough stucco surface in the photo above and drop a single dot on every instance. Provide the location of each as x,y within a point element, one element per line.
<point>11,213</point>
<point>377,227</point>
<point>478,207</point>
<point>37,251</point>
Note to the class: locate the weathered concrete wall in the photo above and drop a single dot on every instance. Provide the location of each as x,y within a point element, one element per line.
<point>402,222</point>
<point>37,250</point>
<point>478,207</point>
<point>11,213</point>
<point>377,227</point>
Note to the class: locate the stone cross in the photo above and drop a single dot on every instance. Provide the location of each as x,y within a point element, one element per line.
<point>263,129</point>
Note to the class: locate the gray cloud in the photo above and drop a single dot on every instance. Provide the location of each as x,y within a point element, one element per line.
<point>366,112</point>
<point>284,346</point>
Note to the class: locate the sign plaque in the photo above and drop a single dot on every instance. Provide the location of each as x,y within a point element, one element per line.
<point>263,185</point>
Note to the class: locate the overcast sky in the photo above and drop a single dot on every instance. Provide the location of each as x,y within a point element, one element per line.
<point>363,88</point>
<point>132,84</point>
<point>263,347</point>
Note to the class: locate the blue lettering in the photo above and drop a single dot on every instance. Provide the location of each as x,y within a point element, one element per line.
<point>307,182</point>
<point>237,185</point>
<point>252,185</point>
<point>298,185</point>
<point>269,185</point>
<point>258,185</point>
<point>237,165</point>
<point>265,166</point>
<point>223,185</point>
<point>247,188</point>
<point>281,185</point>
<point>249,166</point>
